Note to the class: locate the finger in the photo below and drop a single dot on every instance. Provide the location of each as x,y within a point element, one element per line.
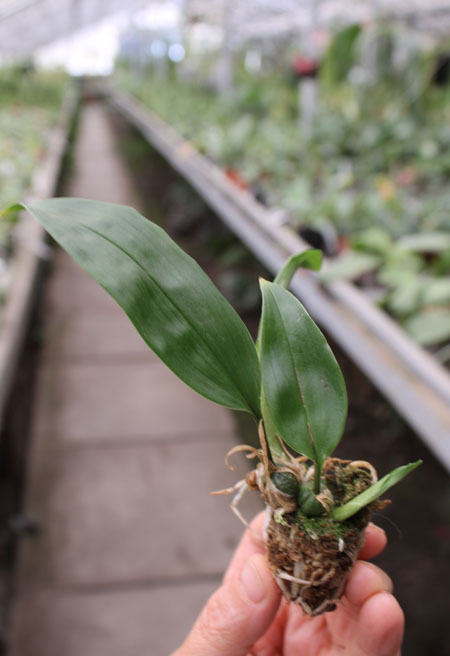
<point>375,542</point>
<point>237,614</point>
<point>381,626</point>
<point>366,580</point>
<point>274,636</point>
<point>305,635</point>
<point>251,543</point>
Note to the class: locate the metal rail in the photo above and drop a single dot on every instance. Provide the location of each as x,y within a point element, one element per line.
<point>414,382</point>
<point>30,250</point>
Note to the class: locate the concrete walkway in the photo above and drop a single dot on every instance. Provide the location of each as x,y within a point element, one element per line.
<point>123,458</point>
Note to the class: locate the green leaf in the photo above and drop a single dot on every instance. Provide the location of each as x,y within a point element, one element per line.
<point>309,259</point>
<point>405,298</point>
<point>430,327</point>
<point>373,492</point>
<point>375,240</point>
<point>170,300</point>
<point>17,207</point>
<point>425,242</point>
<point>339,57</point>
<point>350,266</point>
<point>302,382</point>
<point>436,291</point>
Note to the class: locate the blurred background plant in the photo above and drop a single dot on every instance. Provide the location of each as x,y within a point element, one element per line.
<point>30,102</point>
<point>367,173</point>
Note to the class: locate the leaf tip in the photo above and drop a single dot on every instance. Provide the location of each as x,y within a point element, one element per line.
<point>318,254</point>
<point>15,207</point>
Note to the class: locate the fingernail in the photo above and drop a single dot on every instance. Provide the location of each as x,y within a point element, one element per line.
<point>252,582</point>
<point>391,643</point>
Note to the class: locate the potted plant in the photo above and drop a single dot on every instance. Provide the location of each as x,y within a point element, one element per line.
<point>317,506</point>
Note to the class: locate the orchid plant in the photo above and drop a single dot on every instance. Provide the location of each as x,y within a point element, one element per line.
<point>288,380</point>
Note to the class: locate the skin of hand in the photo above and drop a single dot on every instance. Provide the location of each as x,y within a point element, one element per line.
<point>246,615</point>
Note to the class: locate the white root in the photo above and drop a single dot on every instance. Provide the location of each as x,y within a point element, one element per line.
<point>267,518</point>
<point>288,577</point>
<point>329,462</point>
<point>234,503</point>
<point>326,577</point>
<point>260,476</point>
<point>235,509</point>
<point>293,585</point>
<point>298,571</point>
<point>228,490</point>
<point>253,453</point>
<point>317,611</point>
<point>306,607</point>
<point>265,450</point>
<point>282,587</point>
<point>323,605</point>
<point>241,487</point>
<point>363,464</point>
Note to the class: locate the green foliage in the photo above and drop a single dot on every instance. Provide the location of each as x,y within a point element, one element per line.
<point>432,242</point>
<point>29,106</point>
<point>339,58</point>
<point>172,303</point>
<point>309,259</point>
<point>351,265</point>
<point>373,492</point>
<point>22,86</point>
<point>376,157</point>
<point>295,385</point>
<point>430,327</point>
<point>302,382</point>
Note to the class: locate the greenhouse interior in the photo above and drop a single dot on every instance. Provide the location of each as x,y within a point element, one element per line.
<point>297,154</point>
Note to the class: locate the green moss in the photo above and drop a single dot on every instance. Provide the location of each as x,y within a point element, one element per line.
<point>318,526</point>
<point>346,483</point>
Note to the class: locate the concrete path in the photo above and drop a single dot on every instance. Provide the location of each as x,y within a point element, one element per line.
<point>123,458</point>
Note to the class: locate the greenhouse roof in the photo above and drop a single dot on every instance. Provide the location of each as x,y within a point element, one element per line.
<point>289,17</point>
<point>26,25</point>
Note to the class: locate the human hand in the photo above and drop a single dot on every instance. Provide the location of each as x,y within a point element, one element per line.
<point>246,615</point>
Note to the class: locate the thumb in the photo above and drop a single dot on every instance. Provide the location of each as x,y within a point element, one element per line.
<point>237,614</point>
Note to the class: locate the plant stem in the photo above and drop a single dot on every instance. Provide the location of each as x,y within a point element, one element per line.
<point>317,472</point>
